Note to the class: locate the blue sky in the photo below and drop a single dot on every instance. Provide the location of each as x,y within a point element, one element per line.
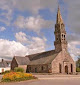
<point>27,27</point>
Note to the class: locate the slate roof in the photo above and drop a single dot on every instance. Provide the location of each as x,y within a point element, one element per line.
<point>22,60</point>
<point>42,58</point>
<point>39,58</point>
<point>3,64</point>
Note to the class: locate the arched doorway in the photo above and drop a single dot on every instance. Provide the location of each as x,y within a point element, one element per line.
<point>66,69</point>
<point>71,68</point>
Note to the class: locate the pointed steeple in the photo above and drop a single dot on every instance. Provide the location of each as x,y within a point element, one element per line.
<point>59,17</point>
<point>60,33</point>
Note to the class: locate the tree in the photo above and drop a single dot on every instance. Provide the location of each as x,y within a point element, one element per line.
<point>78,64</point>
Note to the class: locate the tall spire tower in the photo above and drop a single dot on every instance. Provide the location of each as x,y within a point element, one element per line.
<point>59,17</point>
<point>60,33</point>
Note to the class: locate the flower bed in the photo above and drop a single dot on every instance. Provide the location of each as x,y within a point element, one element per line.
<point>17,76</point>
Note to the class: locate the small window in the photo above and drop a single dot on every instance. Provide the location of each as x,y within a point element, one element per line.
<point>60,68</point>
<point>29,68</point>
<point>35,70</point>
<point>71,67</point>
<point>42,67</point>
<point>64,36</point>
<point>57,38</point>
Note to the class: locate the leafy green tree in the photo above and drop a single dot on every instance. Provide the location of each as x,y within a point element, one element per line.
<point>78,64</point>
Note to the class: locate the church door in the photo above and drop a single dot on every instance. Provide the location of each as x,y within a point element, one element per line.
<point>66,69</point>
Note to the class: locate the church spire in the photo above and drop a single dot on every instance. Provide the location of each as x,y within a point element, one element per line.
<point>60,33</point>
<point>59,17</point>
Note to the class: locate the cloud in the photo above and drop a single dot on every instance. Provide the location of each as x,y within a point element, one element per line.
<point>33,23</point>
<point>37,45</point>
<point>11,48</point>
<point>35,6</point>
<point>73,7</point>
<point>8,7</point>
<point>21,37</point>
<point>74,45</point>
<point>33,44</point>
<point>2,29</point>
<point>74,51</point>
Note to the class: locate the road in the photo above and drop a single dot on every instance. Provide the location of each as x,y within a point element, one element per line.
<point>49,80</point>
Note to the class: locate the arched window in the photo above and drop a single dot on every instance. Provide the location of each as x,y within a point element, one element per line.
<point>64,36</point>
<point>42,67</point>
<point>35,70</point>
<point>71,68</point>
<point>57,38</point>
<point>60,68</point>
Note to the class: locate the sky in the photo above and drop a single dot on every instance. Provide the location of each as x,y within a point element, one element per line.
<point>27,26</point>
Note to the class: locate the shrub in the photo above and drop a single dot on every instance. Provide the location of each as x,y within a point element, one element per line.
<point>17,76</point>
<point>18,69</point>
<point>78,69</point>
<point>8,71</point>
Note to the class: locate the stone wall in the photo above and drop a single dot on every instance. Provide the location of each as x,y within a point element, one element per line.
<point>13,64</point>
<point>44,68</point>
<point>24,67</point>
<point>63,59</point>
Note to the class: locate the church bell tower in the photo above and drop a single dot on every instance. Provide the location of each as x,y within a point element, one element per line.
<point>60,34</point>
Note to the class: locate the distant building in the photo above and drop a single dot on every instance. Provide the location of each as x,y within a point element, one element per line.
<point>54,61</point>
<point>4,65</point>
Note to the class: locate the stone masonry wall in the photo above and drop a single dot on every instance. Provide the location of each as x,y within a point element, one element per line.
<point>64,59</point>
<point>13,64</point>
<point>38,68</point>
<point>24,67</point>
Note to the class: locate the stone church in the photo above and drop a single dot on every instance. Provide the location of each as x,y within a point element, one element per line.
<point>53,61</point>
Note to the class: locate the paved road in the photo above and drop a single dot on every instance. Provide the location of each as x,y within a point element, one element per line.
<point>49,80</point>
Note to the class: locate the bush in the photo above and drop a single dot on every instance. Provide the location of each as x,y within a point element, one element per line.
<point>17,76</point>
<point>78,69</point>
<point>18,69</point>
<point>8,71</point>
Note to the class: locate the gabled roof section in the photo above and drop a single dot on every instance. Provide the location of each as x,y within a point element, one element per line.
<point>22,60</point>
<point>42,58</point>
<point>35,59</point>
<point>3,64</point>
